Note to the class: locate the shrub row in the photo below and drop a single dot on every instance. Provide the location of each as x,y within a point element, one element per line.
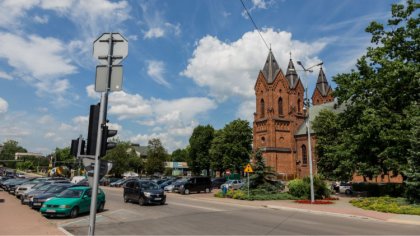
<point>243,195</point>
<point>387,204</point>
<point>301,188</point>
<point>380,189</point>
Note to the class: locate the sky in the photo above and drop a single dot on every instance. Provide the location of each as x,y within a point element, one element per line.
<point>189,62</point>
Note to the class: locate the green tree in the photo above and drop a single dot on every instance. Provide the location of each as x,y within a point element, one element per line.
<point>156,156</point>
<point>135,163</point>
<point>413,167</point>
<point>231,147</point>
<point>10,147</point>
<point>378,94</point>
<point>120,157</point>
<point>63,157</point>
<point>200,143</point>
<point>180,155</point>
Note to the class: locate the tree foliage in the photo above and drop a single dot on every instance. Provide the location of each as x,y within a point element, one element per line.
<point>231,147</point>
<point>180,155</point>
<point>373,135</point>
<point>10,147</point>
<point>123,159</point>
<point>200,143</point>
<point>156,156</point>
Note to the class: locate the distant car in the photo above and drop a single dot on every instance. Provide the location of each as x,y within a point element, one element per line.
<point>77,179</point>
<point>233,184</point>
<point>54,189</point>
<point>175,187</point>
<point>28,195</point>
<point>217,182</point>
<point>118,183</point>
<point>345,187</point>
<point>72,201</point>
<point>196,184</point>
<point>166,183</point>
<point>144,192</point>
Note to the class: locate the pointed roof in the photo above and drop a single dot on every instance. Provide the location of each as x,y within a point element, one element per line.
<point>291,75</point>
<point>322,83</point>
<point>271,68</point>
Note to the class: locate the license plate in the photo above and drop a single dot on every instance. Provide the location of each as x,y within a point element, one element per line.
<point>37,204</point>
<point>52,211</point>
<point>158,198</point>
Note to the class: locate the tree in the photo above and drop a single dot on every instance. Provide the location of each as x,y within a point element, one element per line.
<point>10,147</point>
<point>200,143</point>
<point>180,155</point>
<point>121,158</point>
<point>413,169</point>
<point>63,157</point>
<point>231,147</point>
<point>156,156</point>
<point>378,95</point>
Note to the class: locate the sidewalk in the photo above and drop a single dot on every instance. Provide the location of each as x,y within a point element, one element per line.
<point>340,207</point>
<point>16,219</point>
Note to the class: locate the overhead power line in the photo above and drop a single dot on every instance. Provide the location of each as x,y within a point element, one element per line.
<point>255,25</point>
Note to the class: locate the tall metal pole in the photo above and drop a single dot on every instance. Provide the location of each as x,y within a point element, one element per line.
<point>307,104</point>
<point>102,121</point>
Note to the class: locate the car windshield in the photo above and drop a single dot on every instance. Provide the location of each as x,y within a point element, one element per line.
<point>71,193</point>
<point>56,189</point>
<point>149,186</point>
<point>44,187</point>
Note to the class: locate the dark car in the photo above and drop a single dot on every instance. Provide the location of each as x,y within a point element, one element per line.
<point>166,183</point>
<point>196,184</point>
<point>144,192</point>
<point>26,197</point>
<point>217,182</point>
<point>10,186</point>
<point>52,191</point>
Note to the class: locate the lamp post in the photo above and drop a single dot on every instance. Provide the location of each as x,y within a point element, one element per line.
<point>307,105</point>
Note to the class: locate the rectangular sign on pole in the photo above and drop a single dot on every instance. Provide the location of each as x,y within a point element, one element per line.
<point>101,82</point>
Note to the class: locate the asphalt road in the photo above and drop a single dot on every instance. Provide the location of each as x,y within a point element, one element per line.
<point>186,215</point>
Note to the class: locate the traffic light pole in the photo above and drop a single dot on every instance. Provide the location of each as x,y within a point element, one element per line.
<point>101,123</point>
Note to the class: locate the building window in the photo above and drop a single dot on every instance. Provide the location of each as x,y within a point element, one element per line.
<point>262,107</point>
<point>304,155</point>
<point>280,103</point>
<point>298,103</point>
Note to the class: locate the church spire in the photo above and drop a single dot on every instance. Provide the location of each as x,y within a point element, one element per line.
<point>271,68</point>
<point>322,83</point>
<point>291,74</point>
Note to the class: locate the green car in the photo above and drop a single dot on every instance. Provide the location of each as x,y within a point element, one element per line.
<point>71,202</point>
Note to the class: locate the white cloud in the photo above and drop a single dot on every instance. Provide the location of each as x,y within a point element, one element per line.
<point>157,26</point>
<point>132,37</point>
<point>156,70</point>
<point>3,105</point>
<point>90,90</point>
<point>11,11</point>
<point>125,105</point>
<point>154,33</point>
<point>41,19</point>
<point>45,120</point>
<point>4,75</point>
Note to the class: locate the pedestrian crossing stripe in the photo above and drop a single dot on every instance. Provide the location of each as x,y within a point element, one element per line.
<point>248,169</point>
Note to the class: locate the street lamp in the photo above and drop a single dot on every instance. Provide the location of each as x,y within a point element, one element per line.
<point>307,105</point>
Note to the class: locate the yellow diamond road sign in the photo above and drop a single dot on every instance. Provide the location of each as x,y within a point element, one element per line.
<point>248,169</point>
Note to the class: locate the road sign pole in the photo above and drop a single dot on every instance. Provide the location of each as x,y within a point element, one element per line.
<point>248,185</point>
<point>102,119</point>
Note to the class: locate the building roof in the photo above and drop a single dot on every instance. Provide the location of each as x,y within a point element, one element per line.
<point>322,83</point>
<point>291,75</point>
<point>271,68</point>
<point>140,150</point>
<point>314,112</point>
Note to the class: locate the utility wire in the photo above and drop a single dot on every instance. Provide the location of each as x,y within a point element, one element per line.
<point>255,25</point>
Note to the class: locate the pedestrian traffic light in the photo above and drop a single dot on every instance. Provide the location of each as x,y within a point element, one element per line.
<point>93,129</point>
<point>105,145</point>
<point>74,149</point>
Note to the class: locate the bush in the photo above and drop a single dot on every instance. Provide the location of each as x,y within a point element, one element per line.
<point>301,188</point>
<point>243,195</point>
<point>387,204</point>
<point>379,189</point>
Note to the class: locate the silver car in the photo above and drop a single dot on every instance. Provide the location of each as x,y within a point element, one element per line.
<point>232,184</point>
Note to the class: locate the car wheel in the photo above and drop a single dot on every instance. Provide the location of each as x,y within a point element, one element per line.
<point>141,201</point>
<point>186,191</point>
<point>101,207</point>
<point>347,192</point>
<point>207,190</point>
<point>74,212</point>
<point>126,198</point>
<point>163,202</point>
<point>22,200</point>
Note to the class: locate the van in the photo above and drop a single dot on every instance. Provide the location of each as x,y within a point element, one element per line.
<point>196,184</point>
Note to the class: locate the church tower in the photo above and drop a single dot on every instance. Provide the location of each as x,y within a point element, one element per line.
<point>323,92</point>
<point>279,113</point>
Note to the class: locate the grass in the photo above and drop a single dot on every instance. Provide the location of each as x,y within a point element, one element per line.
<point>243,195</point>
<point>387,204</point>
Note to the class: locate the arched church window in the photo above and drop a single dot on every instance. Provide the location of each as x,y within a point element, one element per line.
<point>280,103</point>
<point>304,155</point>
<point>262,107</point>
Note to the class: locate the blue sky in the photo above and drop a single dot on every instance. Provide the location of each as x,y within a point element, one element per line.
<point>189,62</point>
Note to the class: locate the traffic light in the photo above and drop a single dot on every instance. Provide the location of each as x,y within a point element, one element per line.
<point>93,129</point>
<point>74,149</point>
<point>105,145</point>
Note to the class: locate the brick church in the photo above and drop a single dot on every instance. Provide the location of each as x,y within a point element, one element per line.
<point>279,128</point>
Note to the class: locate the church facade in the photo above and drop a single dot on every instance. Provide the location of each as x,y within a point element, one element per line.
<point>279,127</point>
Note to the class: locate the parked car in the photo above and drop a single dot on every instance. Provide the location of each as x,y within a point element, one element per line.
<point>118,183</point>
<point>196,184</point>
<point>166,183</point>
<point>21,189</point>
<point>11,186</point>
<point>144,192</point>
<point>174,187</point>
<point>232,184</point>
<point>217,182</point>
<point>26,197</point>
<point>72,201</point>
<point>345,187</point>
<point>52,191</point>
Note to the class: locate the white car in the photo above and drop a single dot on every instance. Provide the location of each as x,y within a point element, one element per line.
<point>168,188</point>
<point>232,184</point>
<point>23,188</point>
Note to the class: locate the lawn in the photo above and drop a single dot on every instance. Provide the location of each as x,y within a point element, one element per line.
<point>387,204</point>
